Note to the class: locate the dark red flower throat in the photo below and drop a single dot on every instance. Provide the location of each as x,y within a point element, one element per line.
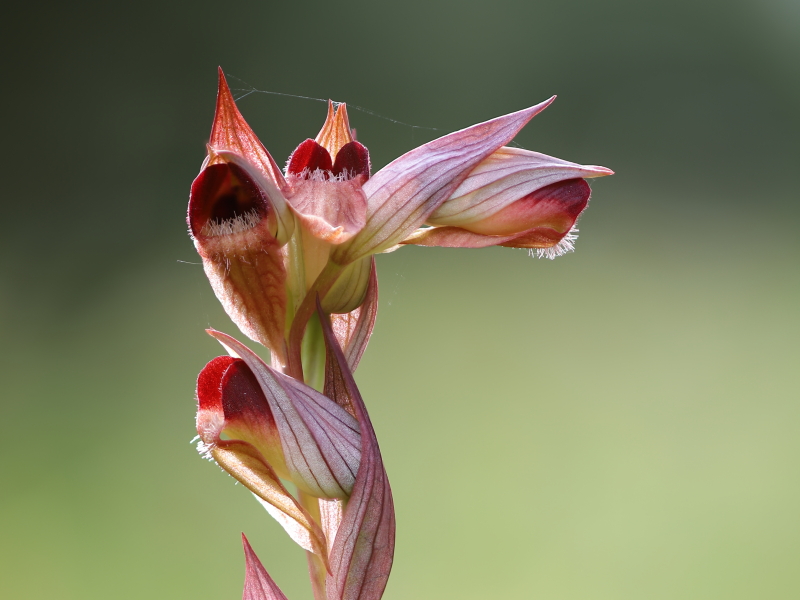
<point>224,196</point>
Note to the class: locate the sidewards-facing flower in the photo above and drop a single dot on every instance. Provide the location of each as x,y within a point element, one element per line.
<point>262,426</point>
<point>514,198</point>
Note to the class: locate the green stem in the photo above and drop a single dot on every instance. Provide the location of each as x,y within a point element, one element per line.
<point>321,286</point>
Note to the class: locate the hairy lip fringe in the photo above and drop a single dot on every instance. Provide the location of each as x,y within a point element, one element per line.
<point>239,223</point>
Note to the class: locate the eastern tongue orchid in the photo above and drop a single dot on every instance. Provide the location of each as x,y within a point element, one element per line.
<point>290,254</point>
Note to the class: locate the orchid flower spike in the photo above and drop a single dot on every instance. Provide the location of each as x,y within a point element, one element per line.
<point>272,241</point>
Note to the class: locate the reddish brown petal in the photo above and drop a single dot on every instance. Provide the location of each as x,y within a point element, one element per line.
<point>354,329</point>
<point>403,194</point>
<point>231,132</point>
<point>309,156</point>
<point>362,552</point>
<point>233,225</point>
<point>352,160</point>
<point>258,585</point>
<point>209,388</point>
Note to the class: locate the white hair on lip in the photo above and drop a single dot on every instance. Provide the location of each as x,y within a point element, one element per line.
<point>567,244</point>
<point>239,223</point>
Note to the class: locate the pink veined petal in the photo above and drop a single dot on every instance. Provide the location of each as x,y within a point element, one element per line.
<point>504,177</point>
<point>231,132</point>
<point>363,549</point>
<point>247,274</point>
<point>403,194</point>
<point>354,329</point>
<point>320,439</point>
<point>258,585</point>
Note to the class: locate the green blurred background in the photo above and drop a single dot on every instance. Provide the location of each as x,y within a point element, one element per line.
<point>621,423</point>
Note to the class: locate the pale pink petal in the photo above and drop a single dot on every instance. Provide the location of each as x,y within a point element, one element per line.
<point>542,219</point>
<point>247,465</point>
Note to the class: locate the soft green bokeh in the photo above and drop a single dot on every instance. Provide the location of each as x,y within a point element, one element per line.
<point>621,423</point>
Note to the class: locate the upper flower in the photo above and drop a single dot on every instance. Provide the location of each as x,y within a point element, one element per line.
<point>272,241</point>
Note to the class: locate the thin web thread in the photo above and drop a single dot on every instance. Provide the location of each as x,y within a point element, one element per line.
<point>246,91</point>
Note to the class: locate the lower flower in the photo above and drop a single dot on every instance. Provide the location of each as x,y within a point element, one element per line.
<point>262,426</point>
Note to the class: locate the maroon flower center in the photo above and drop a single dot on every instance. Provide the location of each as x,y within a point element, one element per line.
<point>311,160</point>
<point>225,200</point>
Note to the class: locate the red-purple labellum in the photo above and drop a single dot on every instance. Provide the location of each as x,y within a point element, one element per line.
<point>352,160</point>
<point>209,391</point>
<point>229,384</point>
<point>309,156</point>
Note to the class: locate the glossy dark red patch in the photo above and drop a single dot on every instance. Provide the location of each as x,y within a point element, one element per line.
<point>352,158</point>
<point>223,192</point>
<point>209,391</point>
<point>309,155</point>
